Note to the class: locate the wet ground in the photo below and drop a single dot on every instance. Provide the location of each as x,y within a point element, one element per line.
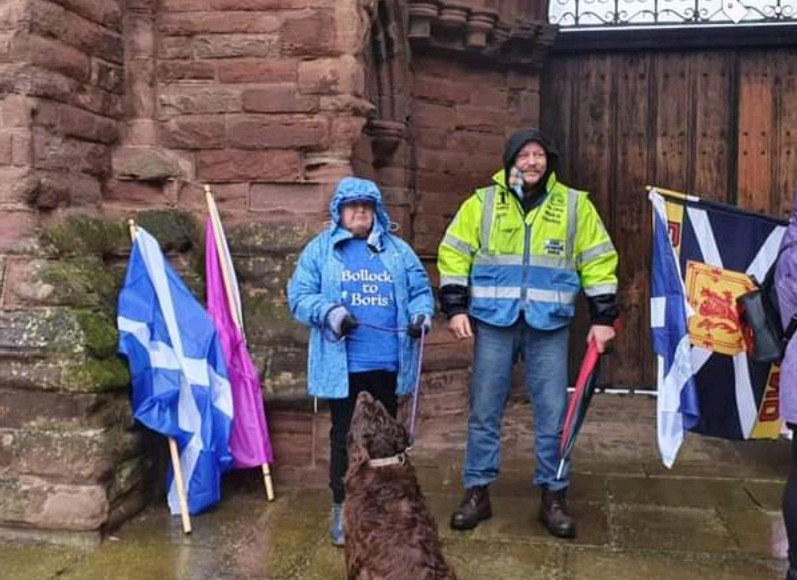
<point>714,516</point>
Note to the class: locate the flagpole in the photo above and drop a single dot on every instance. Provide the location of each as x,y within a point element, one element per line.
<point>173,451</point>
<point>672,193</point>
<point>217,232</point>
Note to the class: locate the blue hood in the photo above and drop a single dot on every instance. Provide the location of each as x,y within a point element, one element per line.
<point>352,189</point>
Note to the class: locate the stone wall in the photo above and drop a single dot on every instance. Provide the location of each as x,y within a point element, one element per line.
<point>111,110</point>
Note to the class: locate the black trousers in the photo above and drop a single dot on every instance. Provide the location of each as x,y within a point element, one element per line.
<point>790,503</point>
<point>382,385</point>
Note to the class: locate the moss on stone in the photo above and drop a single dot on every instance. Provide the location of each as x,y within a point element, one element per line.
<point>269,320</point>
<point>85,236</point>
<point>83,281</point>
<point>176,231</point>
<point>95,376</point>
<point>99,334</point>
<point>256,238</point>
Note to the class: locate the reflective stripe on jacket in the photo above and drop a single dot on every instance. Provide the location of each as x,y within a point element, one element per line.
<point>535,263</point>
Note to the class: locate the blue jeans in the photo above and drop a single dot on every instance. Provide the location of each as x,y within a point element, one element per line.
<point>545,355</point>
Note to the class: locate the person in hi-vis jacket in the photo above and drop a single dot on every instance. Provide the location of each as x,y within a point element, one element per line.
<point>512,262</point>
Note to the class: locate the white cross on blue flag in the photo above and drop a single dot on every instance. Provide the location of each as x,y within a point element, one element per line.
<point>179,382</point>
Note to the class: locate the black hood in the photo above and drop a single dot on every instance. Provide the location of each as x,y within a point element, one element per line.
<point>516,143</point>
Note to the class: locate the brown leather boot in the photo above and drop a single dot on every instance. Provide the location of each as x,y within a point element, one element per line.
<point>474,508</point>
<point>555,514</point>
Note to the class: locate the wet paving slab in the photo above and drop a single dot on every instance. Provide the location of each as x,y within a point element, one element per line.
<point>716,515</point>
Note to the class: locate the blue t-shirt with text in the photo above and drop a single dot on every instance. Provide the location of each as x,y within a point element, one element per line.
<point>367,290</point>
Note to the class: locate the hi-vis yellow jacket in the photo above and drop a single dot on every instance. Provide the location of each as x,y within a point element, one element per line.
<point>535,264</point>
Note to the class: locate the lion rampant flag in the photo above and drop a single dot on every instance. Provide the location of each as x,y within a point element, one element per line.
<point>704,257</point>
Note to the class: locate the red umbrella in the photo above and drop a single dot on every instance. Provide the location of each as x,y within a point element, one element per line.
<point>579,402</point>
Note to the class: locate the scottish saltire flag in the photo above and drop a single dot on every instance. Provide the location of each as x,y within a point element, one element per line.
<point>718,248</point>
<point>677,405</point>
<point>249,441</point>
<point>179,380</point>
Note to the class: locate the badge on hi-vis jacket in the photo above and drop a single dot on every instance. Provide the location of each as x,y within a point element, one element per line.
<point>554,247</point>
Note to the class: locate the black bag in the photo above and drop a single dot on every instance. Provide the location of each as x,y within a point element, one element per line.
<point>759,313</point>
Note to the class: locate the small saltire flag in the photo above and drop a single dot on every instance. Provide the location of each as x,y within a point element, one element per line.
<point>718,249</point>
<point>677,406</point>
<point>249,441</point>
<point>179,380</point>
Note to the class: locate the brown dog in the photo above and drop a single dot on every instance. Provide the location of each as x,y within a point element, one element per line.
<point>390,533</point>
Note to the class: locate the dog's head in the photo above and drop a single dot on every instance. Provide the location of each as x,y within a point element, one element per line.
<point>374,434</point>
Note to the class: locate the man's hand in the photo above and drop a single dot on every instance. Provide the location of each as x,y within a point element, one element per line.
<point>602,335</point>
<point>459,326</point>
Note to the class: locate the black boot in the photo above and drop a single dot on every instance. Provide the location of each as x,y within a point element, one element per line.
<point>474,508</point>
<point>555,514</point>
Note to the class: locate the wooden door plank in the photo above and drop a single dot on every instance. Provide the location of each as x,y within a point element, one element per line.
<point>712,78</point>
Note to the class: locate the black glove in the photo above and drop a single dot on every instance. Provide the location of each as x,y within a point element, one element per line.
<point>420,324</point>
<point>348,324</point>
<point>341,321</point>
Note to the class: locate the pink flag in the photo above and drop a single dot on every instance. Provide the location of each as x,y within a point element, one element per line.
<point>249,440</point>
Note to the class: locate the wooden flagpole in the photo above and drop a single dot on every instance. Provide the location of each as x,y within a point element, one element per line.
<point>227,277</point>
<point>173,451</point>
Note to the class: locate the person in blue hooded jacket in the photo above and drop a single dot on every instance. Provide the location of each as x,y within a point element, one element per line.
<point>354,283</point>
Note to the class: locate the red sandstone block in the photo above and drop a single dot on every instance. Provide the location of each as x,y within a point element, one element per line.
<point>141,132</point>
<point>228,196</point>
<point>53,55</point>
<point>51,20</point>
<point>441,91</point>
<point>169,71</point>
<point>278,98</point>
<point>250,70</point>
<point>193,132</point>
<point>490,99</point>
<point>236,165</point>
<point>174,47</point>
<point>475,143</point>
<point>6,148</point>
<point>346,132</point>
<point>190,23</point>
<point>327,166</point>
<point>432,115</point>
<point>191,99</point>
<point>15,111</point>
<point>17,226</point>
<point>482,119</point>
<point>107,76</point>
<point>67,188</point>
<point>105,12</point>
<point>55,152</point>
<point>528,108</point>
<point>329,76</point>
<point>432,137</point>
<point>268,4</point>
<point>12,12</point>
<point>310,34</point>
<point>71,121</point>
<point>183,5</point>
<point>289,198</point>
<point>139,37</point>
<point>236,45</point>
<point>266,131</point>
<point>20,148</point>
<point>17,186</point>
<point>134,194</point>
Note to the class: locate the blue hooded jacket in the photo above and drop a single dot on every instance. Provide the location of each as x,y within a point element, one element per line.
<point>315,289</point>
